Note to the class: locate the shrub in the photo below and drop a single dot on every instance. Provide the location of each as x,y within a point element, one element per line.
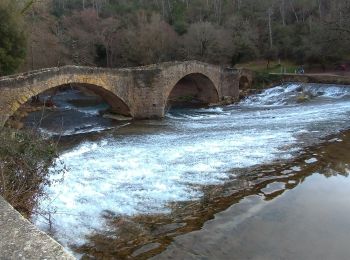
<point>26,163</point>
<point>265,79</point>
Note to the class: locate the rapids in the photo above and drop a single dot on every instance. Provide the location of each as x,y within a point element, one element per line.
<point>144,167</point>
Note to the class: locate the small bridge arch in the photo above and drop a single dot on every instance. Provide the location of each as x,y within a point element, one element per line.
<point>245,79</point>
<point>194,87</point>
<point>184,80</point>
<point>244,83</point>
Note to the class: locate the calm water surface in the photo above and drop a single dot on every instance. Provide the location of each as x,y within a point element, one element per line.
<point>262,179</point>
<point>301,216</point>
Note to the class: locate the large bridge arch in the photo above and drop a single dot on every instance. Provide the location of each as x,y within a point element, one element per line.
<point>116,103</point>
<point>43,81</point>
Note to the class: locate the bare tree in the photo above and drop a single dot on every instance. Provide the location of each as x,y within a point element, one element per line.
<point>269,14</point>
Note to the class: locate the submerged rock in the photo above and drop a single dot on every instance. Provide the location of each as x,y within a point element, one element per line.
<point>145,249</point>
<point>227,100</point>
<point>303,98</point>
<point>118,117</point>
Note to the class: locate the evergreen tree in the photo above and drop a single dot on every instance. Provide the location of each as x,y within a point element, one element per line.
<point>12,37</point>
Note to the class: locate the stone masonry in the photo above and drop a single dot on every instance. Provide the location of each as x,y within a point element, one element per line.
<point>143,90</point>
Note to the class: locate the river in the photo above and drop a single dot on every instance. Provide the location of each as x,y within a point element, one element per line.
<point>243,180</point>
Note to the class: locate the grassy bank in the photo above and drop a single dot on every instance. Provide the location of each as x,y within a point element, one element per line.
<point>263,69</point>
<point>263,66</point>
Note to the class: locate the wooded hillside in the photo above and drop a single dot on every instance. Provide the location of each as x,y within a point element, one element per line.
<point>118,33</point>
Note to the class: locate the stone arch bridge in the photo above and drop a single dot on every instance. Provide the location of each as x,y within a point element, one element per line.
<point>141,92</point>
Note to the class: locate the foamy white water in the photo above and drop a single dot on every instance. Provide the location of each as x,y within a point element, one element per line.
<point>144,171</point>
<point>288,94</point>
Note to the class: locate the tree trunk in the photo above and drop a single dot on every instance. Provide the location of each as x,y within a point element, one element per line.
<point>269,12</point>
<point>283,12</point>
<point>293,9</point>
<point>320,8</point>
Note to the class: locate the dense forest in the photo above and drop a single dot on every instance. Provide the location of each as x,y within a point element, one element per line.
<point>119,33</point>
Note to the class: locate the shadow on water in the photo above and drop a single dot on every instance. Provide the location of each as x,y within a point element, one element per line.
<point>144,236</point>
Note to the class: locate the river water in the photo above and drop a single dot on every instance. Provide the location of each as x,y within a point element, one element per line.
<point>203,183</point>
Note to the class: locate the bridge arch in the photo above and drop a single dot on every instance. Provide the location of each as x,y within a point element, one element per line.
<point>194,87</point>
<point>117,104</point>
<point>195,79</point>
<point>244,83</point>
<point>116,98</point>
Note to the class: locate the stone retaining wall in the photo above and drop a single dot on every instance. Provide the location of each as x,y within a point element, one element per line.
<point>19,239</point>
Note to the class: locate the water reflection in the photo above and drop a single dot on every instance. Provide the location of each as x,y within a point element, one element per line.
<point>308,222</point>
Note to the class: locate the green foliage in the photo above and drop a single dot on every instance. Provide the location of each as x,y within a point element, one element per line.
<point>26,160</point>
<point>187,98</point>
<point>265,79</point>
<point>27,6</point>
<point>118,8</point>
<point>178,19</point>
<point>12,38</point>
